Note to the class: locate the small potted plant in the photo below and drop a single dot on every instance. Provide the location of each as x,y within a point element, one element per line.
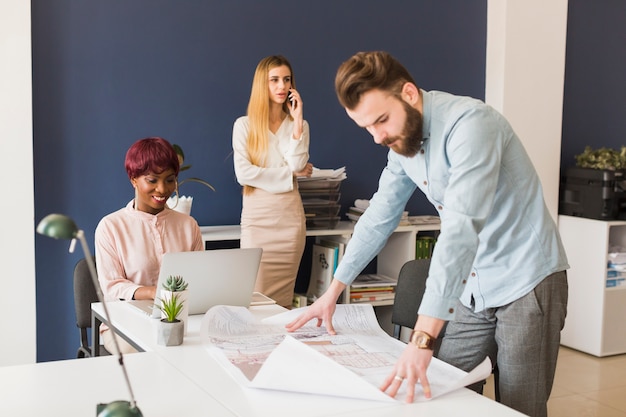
<point>180,202</point>
<point>171,330</point>
<point>176,285</point>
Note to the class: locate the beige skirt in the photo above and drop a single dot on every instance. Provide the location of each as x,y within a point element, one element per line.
<point>275,223</point>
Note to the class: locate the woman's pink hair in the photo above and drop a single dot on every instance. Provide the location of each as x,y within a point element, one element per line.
<point>151,155</point>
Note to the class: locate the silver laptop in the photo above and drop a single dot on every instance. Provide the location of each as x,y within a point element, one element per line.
<point>215,277</point>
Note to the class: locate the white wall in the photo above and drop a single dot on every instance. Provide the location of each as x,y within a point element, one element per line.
<point>525,79</point>
<point>17,246</point>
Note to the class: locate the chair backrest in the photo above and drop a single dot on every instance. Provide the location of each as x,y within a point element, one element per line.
<point>409,292</point>
<point>84,294</point>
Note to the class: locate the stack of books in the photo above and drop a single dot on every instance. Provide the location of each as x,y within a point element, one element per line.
<point>424,246</point>
<point>354,213</point>
<point>616,269</point>
<point>359,207</point>
<point>370,288</point>
<point>327,254</point>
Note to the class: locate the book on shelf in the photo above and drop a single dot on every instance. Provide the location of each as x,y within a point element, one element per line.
<point>336,242</point>
<point>354,213</point>
<point>417,220</point>
<point>373,296</point>
<point>322,268</point>
<point>373,280</point>
<point>354,290</point>
<point>372,287</point>
<point>299,300</point>
<point>424,246</point>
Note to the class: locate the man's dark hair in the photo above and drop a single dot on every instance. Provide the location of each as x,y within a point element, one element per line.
<point>367,71</point>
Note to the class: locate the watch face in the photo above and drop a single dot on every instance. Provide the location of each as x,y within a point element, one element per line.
<point>422,340</point>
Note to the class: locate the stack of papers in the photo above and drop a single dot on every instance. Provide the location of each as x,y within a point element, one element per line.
<point>368,288</point>
<point>359,207</point>
<point>352,364</point>
<point>417,220</point>
<point>338,174</point>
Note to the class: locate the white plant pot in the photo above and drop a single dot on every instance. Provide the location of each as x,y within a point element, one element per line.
<point>182,297</point>
<point>183,205</point>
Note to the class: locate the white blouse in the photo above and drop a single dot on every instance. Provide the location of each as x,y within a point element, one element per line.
<point>285,156</point>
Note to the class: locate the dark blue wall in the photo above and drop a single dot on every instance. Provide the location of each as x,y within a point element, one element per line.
<point>106,73</point>
<point>594,106</point>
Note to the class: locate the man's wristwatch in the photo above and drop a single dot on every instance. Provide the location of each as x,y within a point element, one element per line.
<point>422,340</point>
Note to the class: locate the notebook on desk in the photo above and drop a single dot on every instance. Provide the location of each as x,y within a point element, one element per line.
<point>215,277</point>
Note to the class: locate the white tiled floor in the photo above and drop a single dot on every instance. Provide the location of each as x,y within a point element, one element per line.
<point>585,386</point>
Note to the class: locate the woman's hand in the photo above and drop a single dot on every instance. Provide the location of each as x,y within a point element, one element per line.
<point>295,110</point>
<point>306,171</point>
<point>145,293</point>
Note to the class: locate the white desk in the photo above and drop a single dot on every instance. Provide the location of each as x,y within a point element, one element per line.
<point>195,363</point>
<point>73,388</point>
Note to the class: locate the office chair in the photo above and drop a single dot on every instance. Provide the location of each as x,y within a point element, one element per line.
<point>84,294</point>
<point>409,292</point>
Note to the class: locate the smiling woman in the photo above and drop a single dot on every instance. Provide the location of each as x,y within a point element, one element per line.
<point>131,241</point>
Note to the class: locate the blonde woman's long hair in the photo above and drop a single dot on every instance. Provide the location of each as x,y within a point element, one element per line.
<point>259,110</point>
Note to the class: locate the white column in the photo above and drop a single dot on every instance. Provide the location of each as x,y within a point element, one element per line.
<point>525,77</point>
<point>17,244</point>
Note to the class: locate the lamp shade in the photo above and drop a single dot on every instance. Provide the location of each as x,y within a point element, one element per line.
<point>57,226</point>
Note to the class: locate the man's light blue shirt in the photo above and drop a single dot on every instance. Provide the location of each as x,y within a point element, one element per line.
<point>497,240</point>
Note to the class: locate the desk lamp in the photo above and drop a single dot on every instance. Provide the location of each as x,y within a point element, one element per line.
<point>60,226</point>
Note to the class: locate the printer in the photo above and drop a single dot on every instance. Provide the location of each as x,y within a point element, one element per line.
<point>593,193</point>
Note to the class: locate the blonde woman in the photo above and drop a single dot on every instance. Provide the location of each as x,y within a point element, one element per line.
<point>271,149</point>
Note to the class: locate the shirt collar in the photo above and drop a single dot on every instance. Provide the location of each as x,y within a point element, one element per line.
<point>146,216</point>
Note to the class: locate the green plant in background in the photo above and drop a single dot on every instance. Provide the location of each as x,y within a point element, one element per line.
<point>181,160</point>
<point>175,283</point>
<point>171,308</point>
<point>603,158</point>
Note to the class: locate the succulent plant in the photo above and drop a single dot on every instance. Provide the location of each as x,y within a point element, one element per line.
<point>171,307</point>
<point>175,283</point>
<point>603,158</point>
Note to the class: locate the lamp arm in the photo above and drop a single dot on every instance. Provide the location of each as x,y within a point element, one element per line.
<point>80,235</point>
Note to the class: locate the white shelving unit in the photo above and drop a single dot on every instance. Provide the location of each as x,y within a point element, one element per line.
<point>596,314</point>
<point>399,249</point>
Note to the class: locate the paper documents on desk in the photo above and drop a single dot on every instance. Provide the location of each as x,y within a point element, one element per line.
<point>353,363</point>
<point>317,174</point>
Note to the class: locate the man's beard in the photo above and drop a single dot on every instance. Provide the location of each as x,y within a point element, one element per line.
<point>410,141</point>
